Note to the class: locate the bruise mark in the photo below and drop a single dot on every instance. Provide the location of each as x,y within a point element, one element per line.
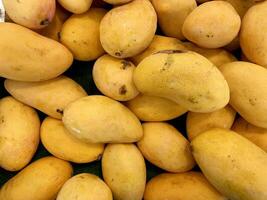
<point>85,43</point>
<point>125,64</point>
<point>171,51</point>
<point>252,101</point>
<point>82,177</point>
<point>210,35</point>
<point>123,90</point>
<point>193,100</point>
<point>2,119</point>
<point>60,111</point>
<point>44,22</point>
<point>169,61</point>
<point>18,1</point>
<point>16,68</point>
<point>118,53</point>
<point>75,41</point>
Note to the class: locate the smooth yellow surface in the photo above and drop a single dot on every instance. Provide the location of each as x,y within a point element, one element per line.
<point>166,147</point>
<point>31,13</point>
<point>213,24</point>
<point>50,97</point>
<point>184,77</point>
<point>99,119</point>
<point>253,38</point>
<point>76,6</point>
<point>85,186</point>
<point>248,85</point>
<point>41,180</point>
<point>172,14</point>
<point>124,171</point>
<point>196,123</point>
<point>60,143</point>
<point>80,34</point>
<point>232,164</point>
<point>151,108</point>
<point>182,186</point>
<point>127,30</point>
<point>19,134</point>
<point>255,134</point>
<point>28,56</point>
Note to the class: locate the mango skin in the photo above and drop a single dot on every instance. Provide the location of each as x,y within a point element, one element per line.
<point>85,186</point>
<point>255,134</point>
<point>217,56</point>
<point>212,25</point>
<point>159,43</point>
<point>164,146</point>
<point>181,186</point>
<point>19,134</point>
<point>50,97</point>
<point>123,41</point>
<point>253,39</point>
<point>248,101</point>
<point>172,14</point>
<point>31,14</point>
<point>196,123</point>
<point>99,119</point>
<point>151,108</point>
<point>114,78</point>
<point>124,171</point>
<point>80,34</point>
<point>32,57</point>
<point>40,180</point>
<point>184,77</point>
<point>77,6</point>
<point>60,143</point>
<point>232,164</point>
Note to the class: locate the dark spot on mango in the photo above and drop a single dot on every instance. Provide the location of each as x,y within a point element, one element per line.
<point>123,90</point>
<point>2,119</point>
<point>171,51</point>
<point>125,64</point>
<point>209,35</point>
<point>59,111</point>
<point>81,177</point>
<point>44,22</point>
<point>118,53</point>
<point>193,100</point>
<point>252,101</point>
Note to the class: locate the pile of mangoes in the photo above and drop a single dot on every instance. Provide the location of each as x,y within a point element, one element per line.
<point>154,61</point>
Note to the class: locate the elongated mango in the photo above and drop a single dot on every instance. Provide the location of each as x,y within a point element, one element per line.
<point>41,180</point>
<point>28,56</point>
<point>184,77</point>
<point>99,119</point>
<point>232,164</point>
<point>50,97</point>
